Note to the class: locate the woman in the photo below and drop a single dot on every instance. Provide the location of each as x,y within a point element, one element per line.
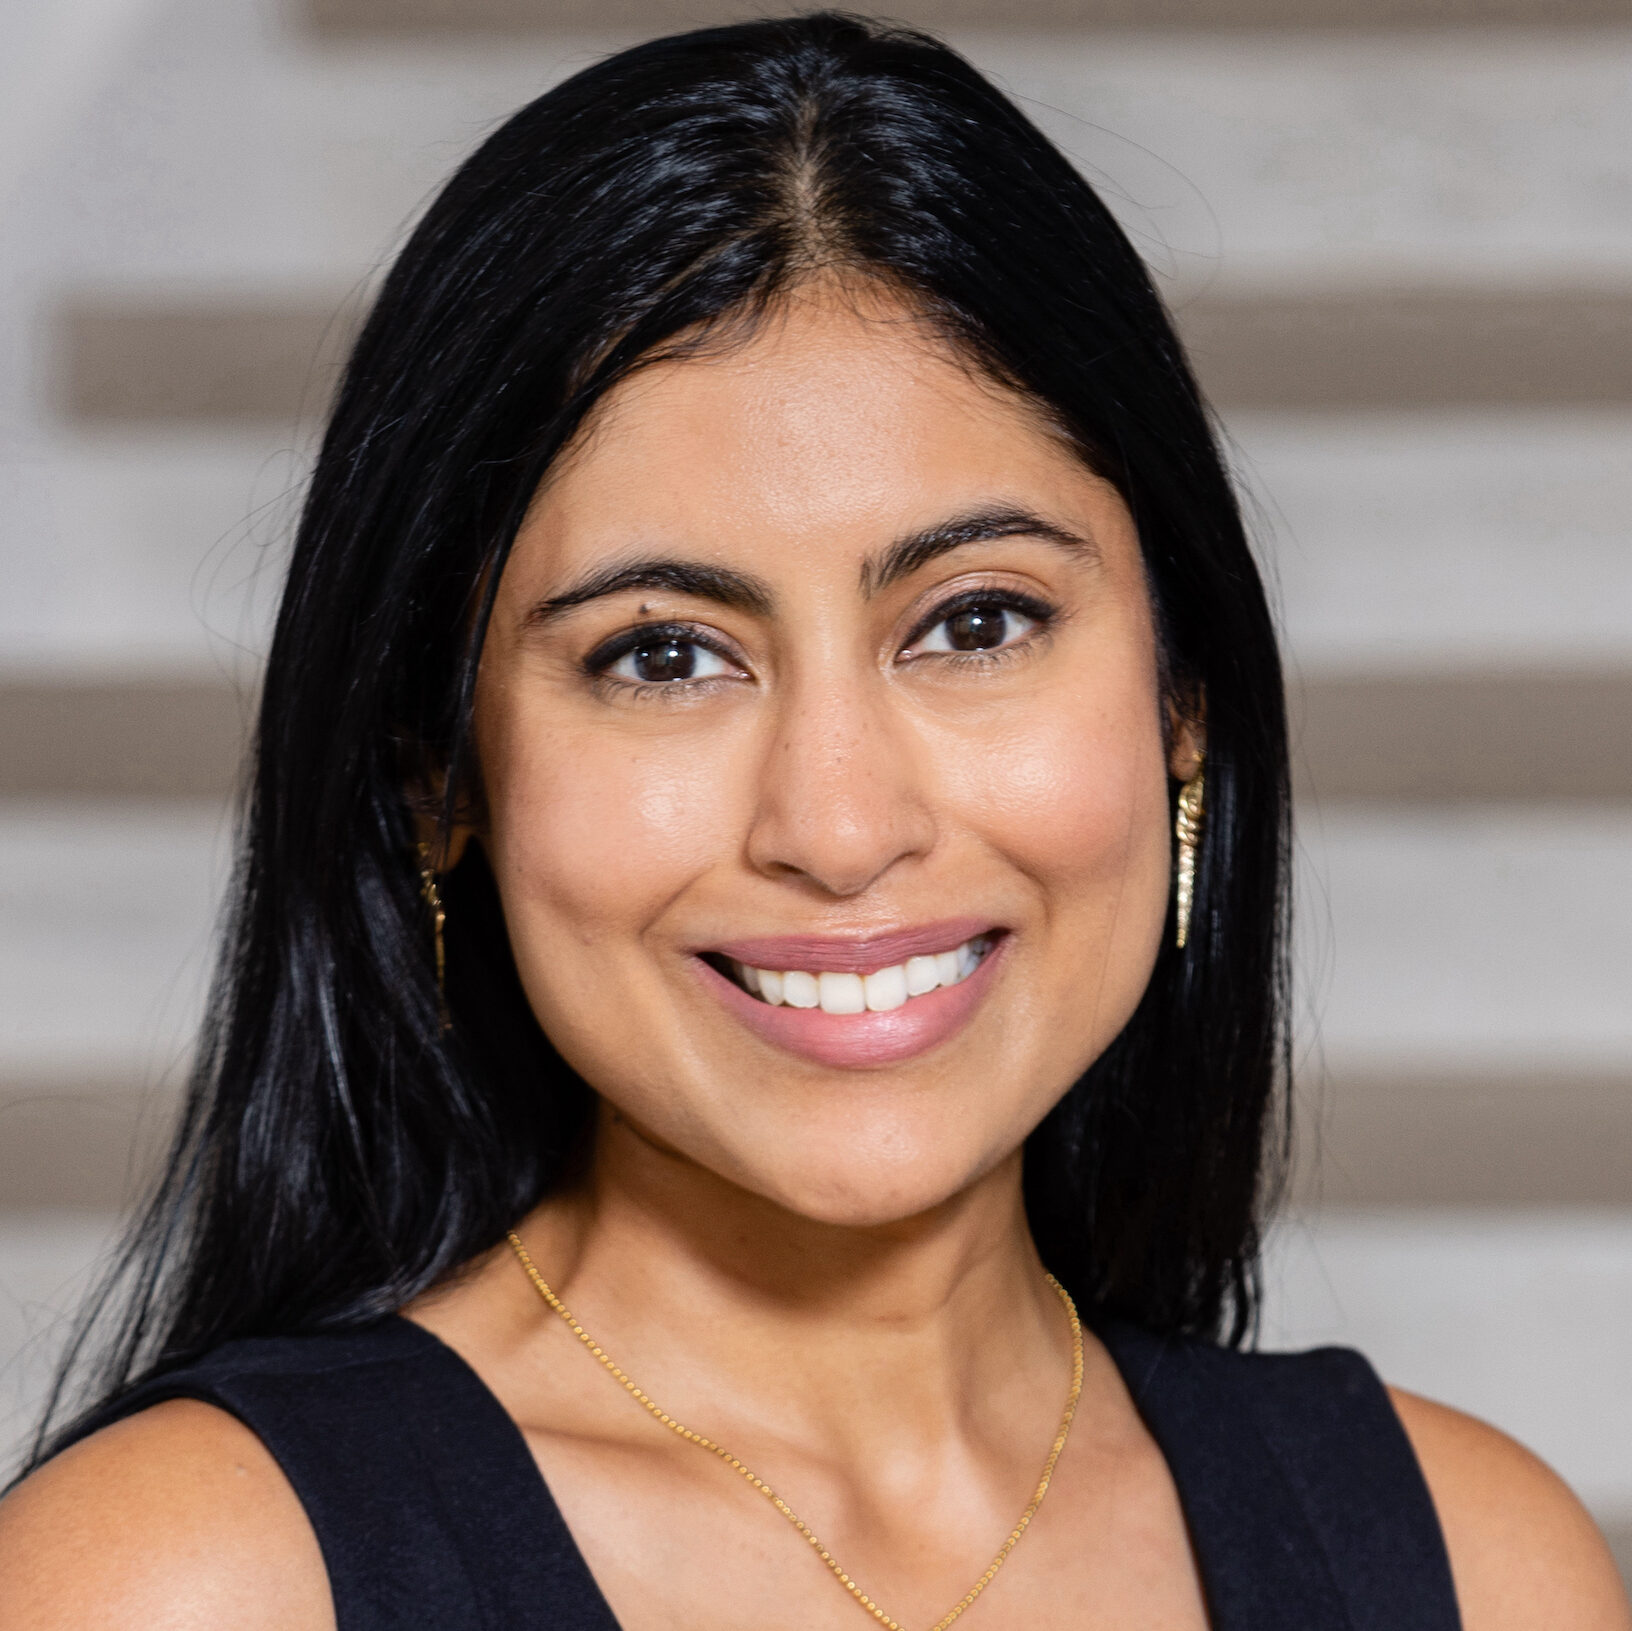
<point>763,899</point>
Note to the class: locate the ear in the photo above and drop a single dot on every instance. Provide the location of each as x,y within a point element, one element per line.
<point>440,847</point>
<point>1186,735</point>
<point>442,851</point>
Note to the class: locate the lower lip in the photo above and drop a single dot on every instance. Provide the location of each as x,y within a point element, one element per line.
<point>855,1041</point>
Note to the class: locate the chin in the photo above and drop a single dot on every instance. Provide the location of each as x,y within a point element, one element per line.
<point>861,1189</point>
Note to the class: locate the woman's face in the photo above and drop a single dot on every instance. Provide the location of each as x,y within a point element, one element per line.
<point>822,657</point>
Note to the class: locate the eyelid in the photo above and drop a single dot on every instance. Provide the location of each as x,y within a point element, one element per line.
<point>1033,606</point>
<point>636,634</point>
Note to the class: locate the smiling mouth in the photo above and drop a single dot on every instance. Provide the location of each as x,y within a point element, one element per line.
<point>878,992</point>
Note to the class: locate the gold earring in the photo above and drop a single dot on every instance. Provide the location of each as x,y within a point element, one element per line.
<point>1187,828</point>
<point>432,896</point>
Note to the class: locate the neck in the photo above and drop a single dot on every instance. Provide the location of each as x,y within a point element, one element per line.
<point>726,1295</point>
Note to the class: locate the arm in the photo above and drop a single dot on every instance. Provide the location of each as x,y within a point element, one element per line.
<point>1524,1554</point>
<point>176,1519</point>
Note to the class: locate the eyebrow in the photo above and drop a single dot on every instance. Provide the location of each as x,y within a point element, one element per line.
<point>907,554</point>
<point>722,584</point>
<point>742,591</point>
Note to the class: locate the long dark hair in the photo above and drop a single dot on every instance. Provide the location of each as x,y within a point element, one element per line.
<point>339,1152</point>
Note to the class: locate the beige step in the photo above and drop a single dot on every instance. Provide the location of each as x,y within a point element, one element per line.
<point>1395,543</point>
<point>110,910</point>
<point>1497,736</point>
<point>1479,541</point>
<point>1461,940</point>
<point>1392,349</point>
<point>463,17</point>
<point>86,1145</point>
<point>1423,1140</point>
<point>1501,735</point>
<point>165,737</point>
<point>1471,1139</point>
<point>1413,158</point>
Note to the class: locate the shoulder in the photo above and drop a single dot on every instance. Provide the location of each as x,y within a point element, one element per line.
<point>174,1518</point>
<point>1524,1553</point>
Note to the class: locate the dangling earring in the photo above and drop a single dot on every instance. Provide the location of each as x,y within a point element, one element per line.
<point>1187,828</point>
<point>432,896</point>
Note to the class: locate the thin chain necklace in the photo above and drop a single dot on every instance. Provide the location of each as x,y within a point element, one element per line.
<point>782,1506</point>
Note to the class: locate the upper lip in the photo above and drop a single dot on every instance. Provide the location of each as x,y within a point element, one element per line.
<point>819,954</point>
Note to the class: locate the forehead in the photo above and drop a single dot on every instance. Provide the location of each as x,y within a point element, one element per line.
<point>839,420</point>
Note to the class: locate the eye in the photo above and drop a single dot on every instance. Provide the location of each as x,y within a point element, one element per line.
<point>983,623</point>
<point>663,656</point>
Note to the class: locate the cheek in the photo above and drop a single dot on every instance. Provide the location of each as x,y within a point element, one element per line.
<point>591,836</point>
<point>1074,795</point>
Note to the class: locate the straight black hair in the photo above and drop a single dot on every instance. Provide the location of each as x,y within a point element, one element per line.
<point>339,1152</point>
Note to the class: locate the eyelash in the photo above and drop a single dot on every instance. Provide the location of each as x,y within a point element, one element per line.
<point>1041,614</point>
<point>604,656</point>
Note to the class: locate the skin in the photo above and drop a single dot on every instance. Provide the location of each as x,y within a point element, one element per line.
<point>827,1269</point>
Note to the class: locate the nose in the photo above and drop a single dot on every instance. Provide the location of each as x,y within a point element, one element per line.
<point>844,787</point>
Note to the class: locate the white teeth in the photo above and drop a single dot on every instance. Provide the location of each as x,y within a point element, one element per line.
<point>842,993</point>
<point>799,990</point>
<point>922,976</point>
<point>879,992</point>
<point>886,989</point>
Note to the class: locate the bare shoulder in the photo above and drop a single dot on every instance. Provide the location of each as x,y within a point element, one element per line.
<point>175,1519</point>
<point>1524,1552</point>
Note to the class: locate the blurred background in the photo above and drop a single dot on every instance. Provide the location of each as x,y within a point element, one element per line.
<point>1398,237</point>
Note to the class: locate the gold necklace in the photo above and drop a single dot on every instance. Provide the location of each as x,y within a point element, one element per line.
<point>782,1506</point>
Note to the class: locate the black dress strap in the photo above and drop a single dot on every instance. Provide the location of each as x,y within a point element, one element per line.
<point>426,1501</point>
<point>1305,1502</point>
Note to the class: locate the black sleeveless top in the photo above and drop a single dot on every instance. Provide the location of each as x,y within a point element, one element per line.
<point>1305,1504</point>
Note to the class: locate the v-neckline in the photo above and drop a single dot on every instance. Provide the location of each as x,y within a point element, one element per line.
<point>497,1497</point>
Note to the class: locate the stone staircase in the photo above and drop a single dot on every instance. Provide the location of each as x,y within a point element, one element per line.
<point>1398,236</point>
